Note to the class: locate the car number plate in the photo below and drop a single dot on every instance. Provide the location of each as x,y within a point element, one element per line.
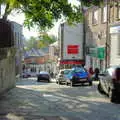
<point>83,79</point>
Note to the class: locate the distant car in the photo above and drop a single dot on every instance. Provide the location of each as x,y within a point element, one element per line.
<point>109,82</point>
<point>43,76</point>
<point>25,75</point>
<point>78,75</point>
<point>60,78</point>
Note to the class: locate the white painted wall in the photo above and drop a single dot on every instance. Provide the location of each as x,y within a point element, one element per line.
<point>73,35</point>
<point>115,44</point>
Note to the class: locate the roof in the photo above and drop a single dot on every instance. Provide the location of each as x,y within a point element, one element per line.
<point>36,52</point>
<point>55,44</point>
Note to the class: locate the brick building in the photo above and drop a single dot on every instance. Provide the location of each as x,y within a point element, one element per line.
<point>36,60</point>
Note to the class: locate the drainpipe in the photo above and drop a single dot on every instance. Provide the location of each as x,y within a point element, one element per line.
<point>107,37</point>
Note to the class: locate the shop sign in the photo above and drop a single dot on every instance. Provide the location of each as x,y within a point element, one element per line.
<point>101,53</point>
<point>92,52</point>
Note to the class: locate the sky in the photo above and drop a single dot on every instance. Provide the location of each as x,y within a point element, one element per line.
<point>19,18</point>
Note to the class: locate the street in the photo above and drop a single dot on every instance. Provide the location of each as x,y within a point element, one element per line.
<point>31,100</point>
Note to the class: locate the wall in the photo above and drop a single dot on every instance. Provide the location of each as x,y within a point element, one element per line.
<point>7,71</point>
<point>73,35</point>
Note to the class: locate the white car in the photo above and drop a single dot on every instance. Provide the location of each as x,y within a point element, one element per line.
<point>60,77</point>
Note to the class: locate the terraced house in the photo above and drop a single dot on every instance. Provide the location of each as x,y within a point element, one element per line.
<point>102,35</point>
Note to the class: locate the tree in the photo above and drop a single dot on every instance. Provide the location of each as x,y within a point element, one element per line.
<point>39,42</point>
<point>10,5</point>
<point>43,13</point>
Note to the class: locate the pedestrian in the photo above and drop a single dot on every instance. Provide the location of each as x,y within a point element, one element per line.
<point>91,72</point>
<point>52,74</point>
<point>97,71</point>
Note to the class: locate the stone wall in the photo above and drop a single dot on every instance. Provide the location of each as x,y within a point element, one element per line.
<point>7,70</point>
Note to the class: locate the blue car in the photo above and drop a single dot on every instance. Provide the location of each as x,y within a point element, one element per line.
<point>78,75</point>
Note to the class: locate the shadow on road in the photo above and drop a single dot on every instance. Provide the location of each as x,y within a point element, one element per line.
<point>75,103</point>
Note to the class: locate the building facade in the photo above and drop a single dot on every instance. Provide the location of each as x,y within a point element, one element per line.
<point>95,27</point>
<point>102,26</point>
<point>19,46</point>
<point>114,32</point>
<point>53,56</point>
<point>71,45</point>
<point>36,60</point>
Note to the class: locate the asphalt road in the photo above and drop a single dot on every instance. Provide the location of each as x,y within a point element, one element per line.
<point>32,100</point>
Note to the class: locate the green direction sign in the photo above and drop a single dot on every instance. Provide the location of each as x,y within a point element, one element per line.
<point>101,53</point>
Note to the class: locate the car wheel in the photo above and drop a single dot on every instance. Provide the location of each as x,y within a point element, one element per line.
<point>100,88</point>
<point>66,83</point>
<point>112,95</point>
<point>56,81</point>
<point>71,83</point>
<point>48,81</point>
<point>38,80</point>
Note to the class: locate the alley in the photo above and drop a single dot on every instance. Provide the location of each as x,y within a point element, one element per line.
<point>31,100</point>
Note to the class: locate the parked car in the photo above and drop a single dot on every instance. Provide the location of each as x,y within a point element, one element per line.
<point>60,78</point>
<point>109,82</point>
<point>25,75</point>
<point>78,75</point>
<point>43,76</point>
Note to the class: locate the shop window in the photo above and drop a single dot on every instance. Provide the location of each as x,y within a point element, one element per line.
<point>118,10</point>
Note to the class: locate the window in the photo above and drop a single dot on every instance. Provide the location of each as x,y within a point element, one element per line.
<point>118,10</point>
<point>104,14</point>
<point>95,17</point>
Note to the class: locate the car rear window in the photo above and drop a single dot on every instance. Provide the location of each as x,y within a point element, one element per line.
<point>66,71</point>
<point>80,70</point>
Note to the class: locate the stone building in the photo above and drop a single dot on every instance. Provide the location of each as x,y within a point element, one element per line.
<point>114,33</point>
<point>102,35</point>
<point>95,27</point>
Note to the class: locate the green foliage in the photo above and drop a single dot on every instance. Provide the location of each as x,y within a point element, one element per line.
<point>40,42</point>
<point>10,5</point>
<point>43,13</point>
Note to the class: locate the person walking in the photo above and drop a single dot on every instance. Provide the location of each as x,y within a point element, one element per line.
<point>97,71</point>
